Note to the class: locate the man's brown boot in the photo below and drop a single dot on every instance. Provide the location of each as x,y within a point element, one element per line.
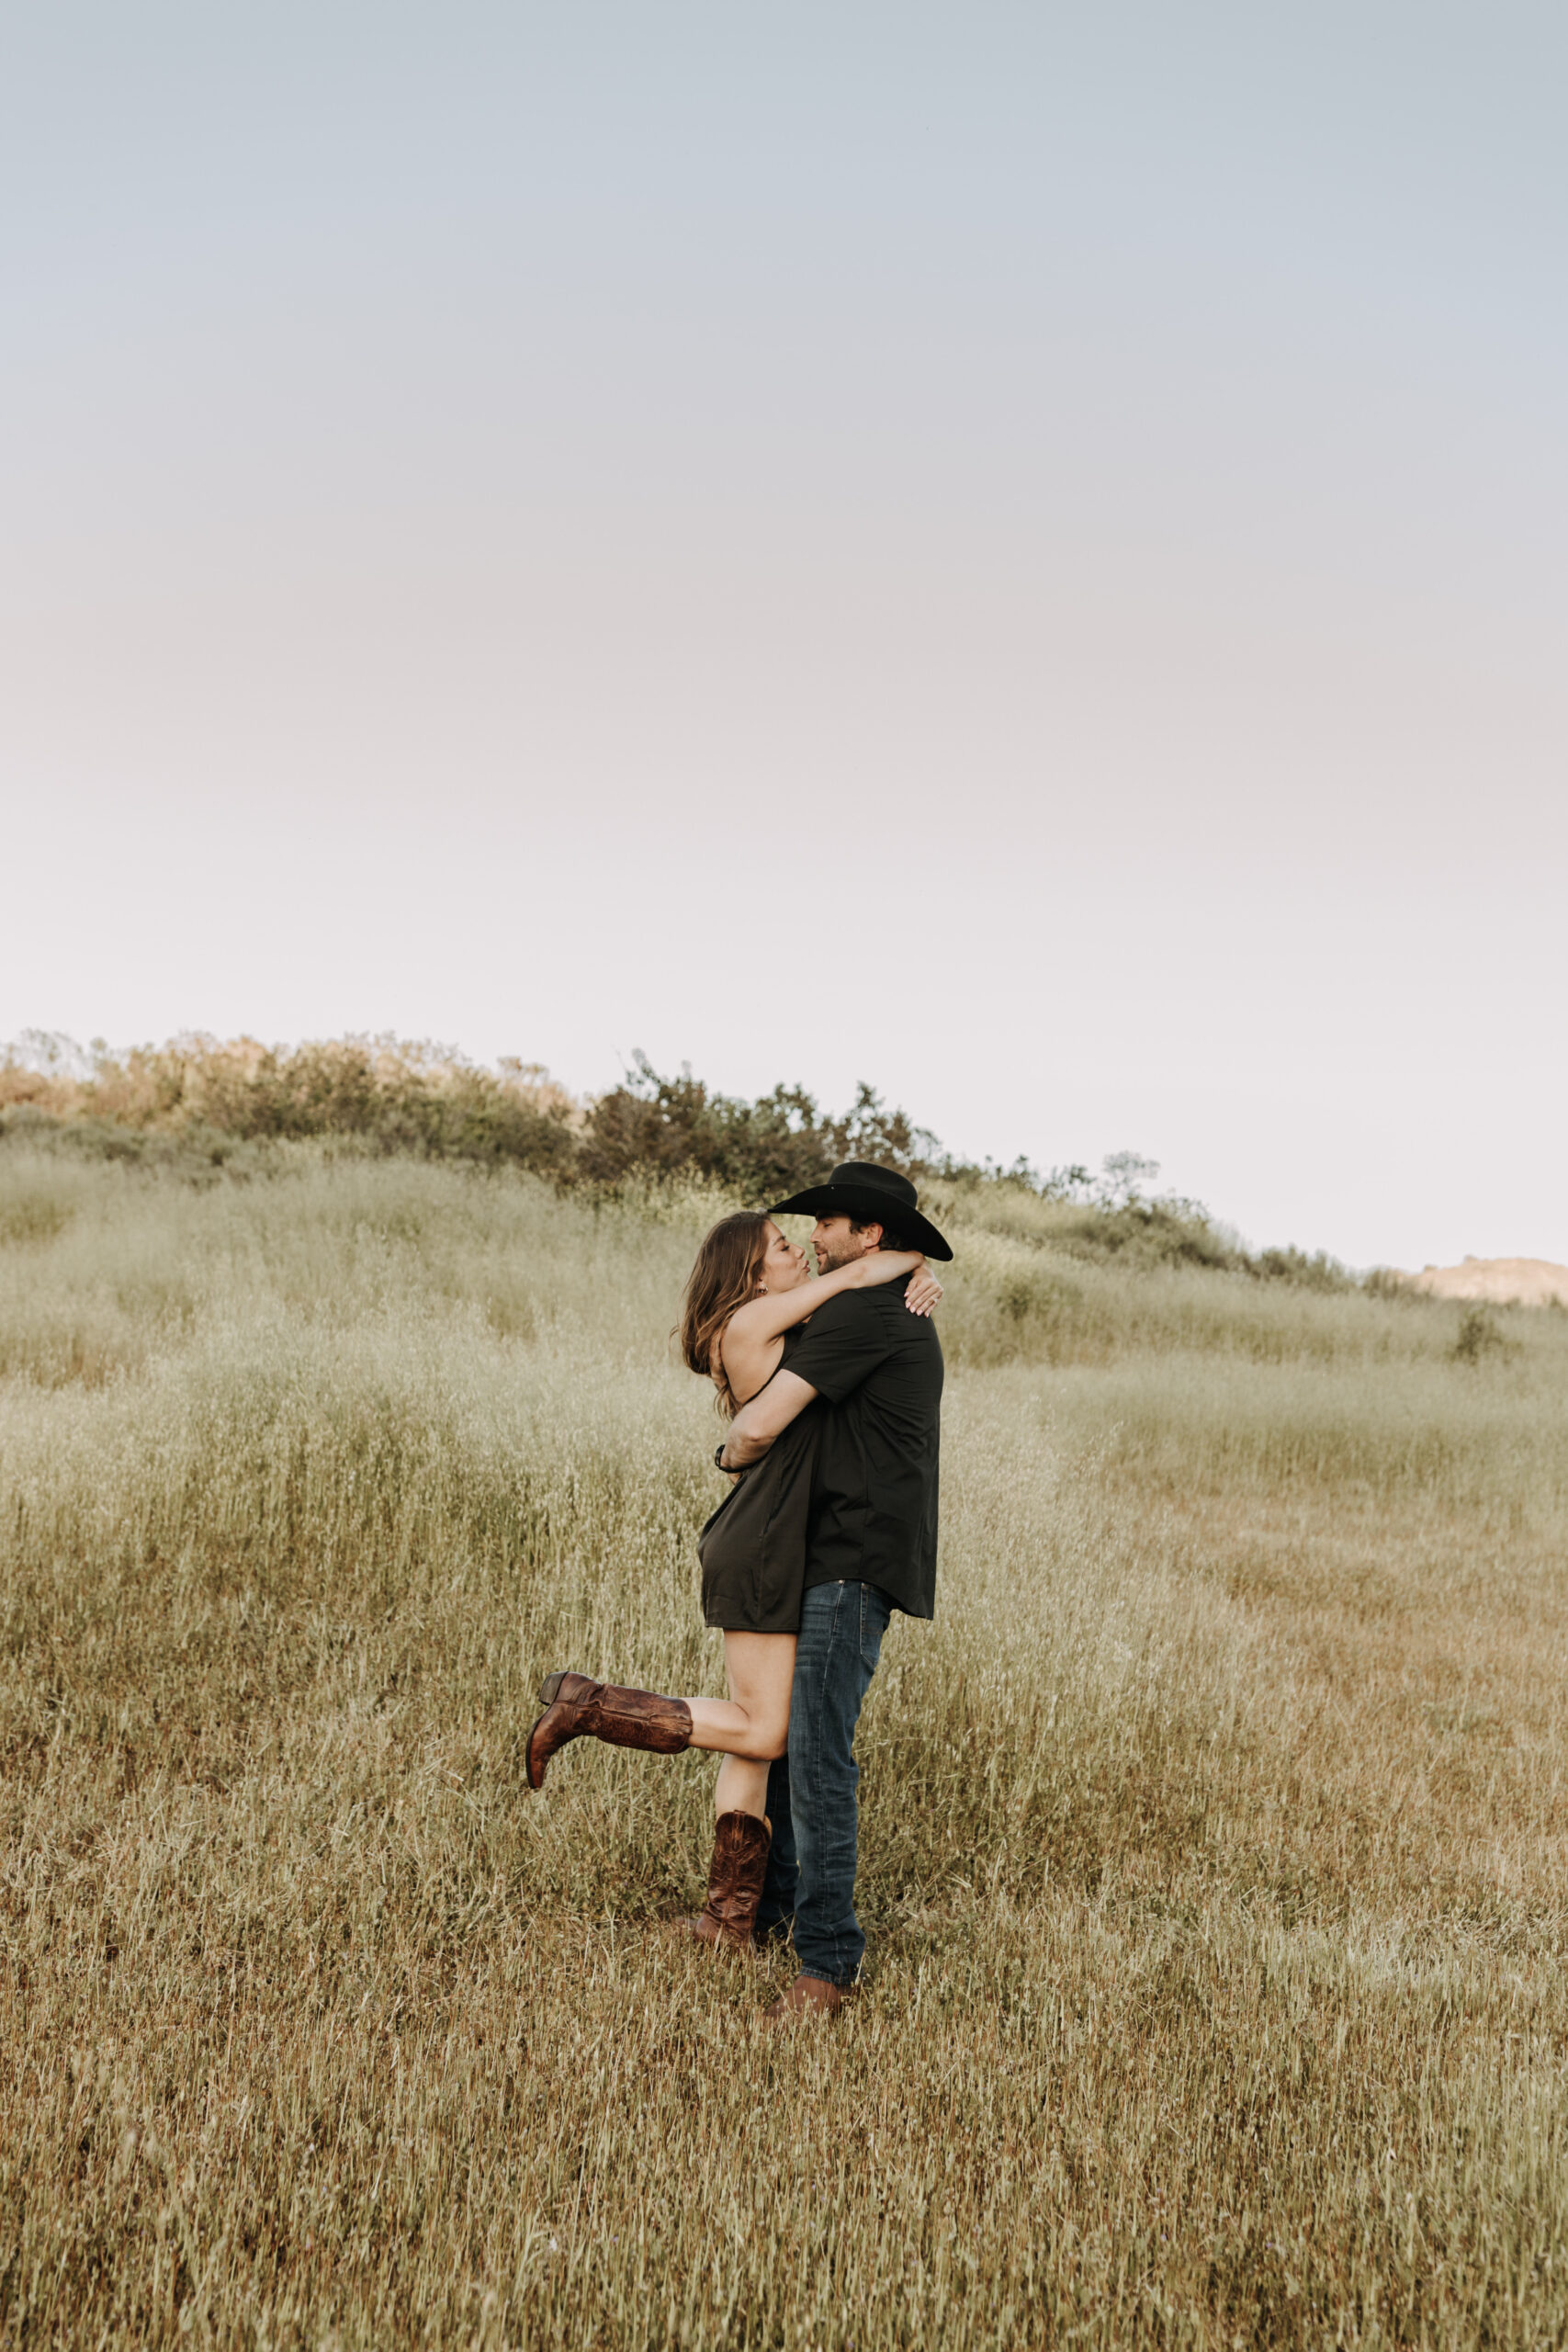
<point>577,1708</point>
<point>809,1996</point>
<point>739,1864</point>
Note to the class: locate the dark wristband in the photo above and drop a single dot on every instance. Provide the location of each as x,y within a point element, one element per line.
<point>719,1457</point>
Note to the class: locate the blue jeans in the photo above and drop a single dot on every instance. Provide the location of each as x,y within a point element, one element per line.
<point>811,1792</point>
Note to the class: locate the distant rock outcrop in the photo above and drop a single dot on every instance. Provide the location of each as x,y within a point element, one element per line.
<point>1522,1282</point>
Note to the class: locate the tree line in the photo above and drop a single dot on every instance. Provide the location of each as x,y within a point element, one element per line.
<point>199,1104</point>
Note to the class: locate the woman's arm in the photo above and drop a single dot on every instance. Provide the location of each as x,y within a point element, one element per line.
<point>777,1311</point>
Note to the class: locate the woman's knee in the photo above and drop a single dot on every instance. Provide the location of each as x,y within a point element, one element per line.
<point>765,1741</point>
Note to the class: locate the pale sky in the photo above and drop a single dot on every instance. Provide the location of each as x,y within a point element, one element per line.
<point>1018,552</point>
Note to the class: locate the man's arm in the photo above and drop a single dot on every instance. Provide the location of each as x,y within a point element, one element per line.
<point>767,1415</point>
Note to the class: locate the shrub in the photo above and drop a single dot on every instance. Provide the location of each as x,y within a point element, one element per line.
<point>1318,1272</point>
<point>1478,1337</point>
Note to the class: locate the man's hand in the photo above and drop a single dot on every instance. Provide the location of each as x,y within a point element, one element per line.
<point>768,1414</point>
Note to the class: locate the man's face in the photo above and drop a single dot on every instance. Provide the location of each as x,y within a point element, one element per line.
<point>836,1246</point>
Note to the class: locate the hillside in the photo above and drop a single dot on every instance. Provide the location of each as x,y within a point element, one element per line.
<point>1519,1281</point>
<point>197,1107</point>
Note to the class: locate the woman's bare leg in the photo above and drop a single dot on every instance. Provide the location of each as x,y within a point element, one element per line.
<point>751,1726</point>
<point>749,1729</point>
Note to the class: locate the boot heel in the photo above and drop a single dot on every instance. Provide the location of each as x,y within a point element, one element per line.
<point>549,1689</point>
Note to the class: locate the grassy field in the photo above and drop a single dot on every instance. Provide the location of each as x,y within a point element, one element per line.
<point>1214,1838</point>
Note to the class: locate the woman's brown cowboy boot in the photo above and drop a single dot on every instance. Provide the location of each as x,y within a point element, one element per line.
<point>576,1707</point>
<point>739,1864</point>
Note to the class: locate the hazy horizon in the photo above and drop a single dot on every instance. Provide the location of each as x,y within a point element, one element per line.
<point>1017,556</point>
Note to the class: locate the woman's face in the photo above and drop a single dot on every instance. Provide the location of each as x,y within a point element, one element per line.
<point>783,1266</point>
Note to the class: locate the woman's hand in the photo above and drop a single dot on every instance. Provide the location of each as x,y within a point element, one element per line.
<point>923,1292</point>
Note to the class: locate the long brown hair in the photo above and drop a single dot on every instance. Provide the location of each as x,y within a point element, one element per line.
<point>724,1277</point>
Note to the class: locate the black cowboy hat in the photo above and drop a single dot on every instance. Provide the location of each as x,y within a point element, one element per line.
<point>870,1195</point>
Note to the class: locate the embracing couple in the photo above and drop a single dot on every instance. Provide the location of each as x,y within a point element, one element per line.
<point>833,1388</point>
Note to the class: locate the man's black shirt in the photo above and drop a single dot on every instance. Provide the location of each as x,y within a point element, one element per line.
<point>874,1497</point>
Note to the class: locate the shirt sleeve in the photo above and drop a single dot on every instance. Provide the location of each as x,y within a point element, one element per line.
<point>844,1342</point>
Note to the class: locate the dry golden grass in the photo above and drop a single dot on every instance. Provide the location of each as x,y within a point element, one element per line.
<point>1214,1841</point>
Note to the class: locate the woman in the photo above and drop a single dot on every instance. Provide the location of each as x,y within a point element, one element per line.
<point>749,1290</point>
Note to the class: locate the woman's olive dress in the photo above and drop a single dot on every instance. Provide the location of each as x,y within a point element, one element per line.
<point>753,1548</point>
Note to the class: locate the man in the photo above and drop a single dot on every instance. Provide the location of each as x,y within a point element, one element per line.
<point>870,1548</point>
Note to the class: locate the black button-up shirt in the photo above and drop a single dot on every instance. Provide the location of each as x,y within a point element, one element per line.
<point>874,1497</point>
